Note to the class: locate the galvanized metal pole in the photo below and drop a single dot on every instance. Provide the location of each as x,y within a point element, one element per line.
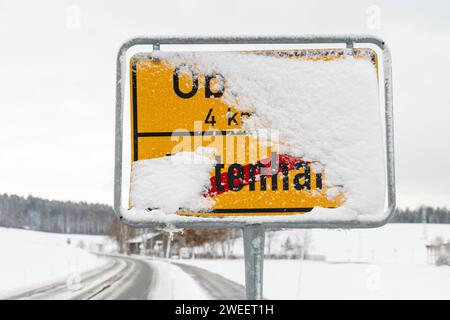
<point>254,260</point>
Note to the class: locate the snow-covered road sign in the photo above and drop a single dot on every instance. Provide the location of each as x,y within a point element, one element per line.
<point>255,133</point>
<point>175,107</point>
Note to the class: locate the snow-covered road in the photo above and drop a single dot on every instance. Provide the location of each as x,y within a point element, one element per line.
<point>131,278</point>
<point>120,278</point>
<point>40,265</point>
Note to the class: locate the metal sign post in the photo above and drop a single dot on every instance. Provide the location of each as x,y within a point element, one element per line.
<point>254,236</point>
<point>151,89</point>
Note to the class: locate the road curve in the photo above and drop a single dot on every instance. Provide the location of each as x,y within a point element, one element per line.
<point>120,278</point>
<point>129,278</point>
<point>134,283</point>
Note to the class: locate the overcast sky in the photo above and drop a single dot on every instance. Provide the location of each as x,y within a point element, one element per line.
<point>57,67</point>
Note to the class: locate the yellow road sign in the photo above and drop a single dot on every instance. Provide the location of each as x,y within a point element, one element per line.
<point>176,107</point>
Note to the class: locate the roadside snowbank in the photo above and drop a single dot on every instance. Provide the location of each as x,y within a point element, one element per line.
<point>173,283</point>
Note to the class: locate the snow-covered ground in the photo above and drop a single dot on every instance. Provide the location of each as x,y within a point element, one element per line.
<point>384,263</point>
<point>291,279</point>
<point>30,258</point>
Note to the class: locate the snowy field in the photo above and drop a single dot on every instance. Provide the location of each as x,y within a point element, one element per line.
<point>384,263</point>
<point>31,258</point>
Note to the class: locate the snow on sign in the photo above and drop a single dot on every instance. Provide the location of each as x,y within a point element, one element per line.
<point>179,106</point>
<point>239,134</point>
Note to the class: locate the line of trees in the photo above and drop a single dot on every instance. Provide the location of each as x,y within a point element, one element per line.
<point>86,218</point>
<point>418,215</point>
<point>54,216</point>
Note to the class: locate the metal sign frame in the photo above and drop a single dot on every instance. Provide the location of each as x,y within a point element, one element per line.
<point>366,221</point>
<point>254,250</point>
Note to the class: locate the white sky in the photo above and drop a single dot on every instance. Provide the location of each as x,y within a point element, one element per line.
<point>57,82</point>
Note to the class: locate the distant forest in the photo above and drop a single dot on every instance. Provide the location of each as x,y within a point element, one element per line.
<point>429,214</point>
<point>55,216</point>
<point>84,218</point>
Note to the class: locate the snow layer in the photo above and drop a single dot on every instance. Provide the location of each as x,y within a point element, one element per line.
<point>383,263</point>
<point>358,281</point>
<point>172,182</point>
<point>325,111</point>
<point>30,257</point>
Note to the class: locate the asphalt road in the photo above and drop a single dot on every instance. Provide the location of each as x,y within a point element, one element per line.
<point>121,278</point>
<point>126,278</point>
<point>133,283</point>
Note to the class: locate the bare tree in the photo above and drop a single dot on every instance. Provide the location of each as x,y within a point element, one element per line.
<point>116,232</point>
